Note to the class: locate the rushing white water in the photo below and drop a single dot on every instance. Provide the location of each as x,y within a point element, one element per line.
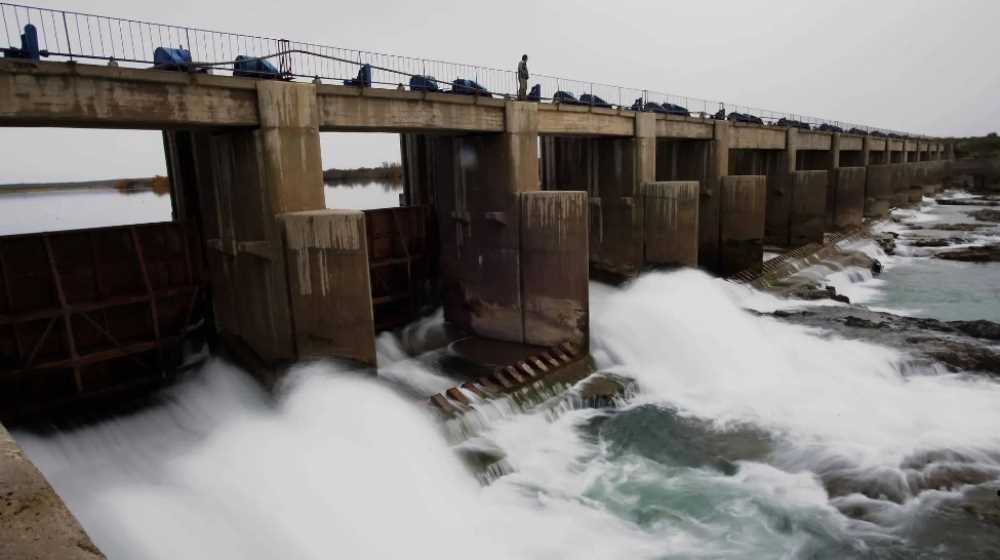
<point>748,437</point>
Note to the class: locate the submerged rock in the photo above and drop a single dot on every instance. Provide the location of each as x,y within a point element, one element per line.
<point>958,345</point>
<point>966,202</point>
<point>887,241</point>
<point>986,215</point>
<point>939,242</point>
<point>980,328</point>
<point>988,253</point>
<point>812,293</point>
<point>951,227</point>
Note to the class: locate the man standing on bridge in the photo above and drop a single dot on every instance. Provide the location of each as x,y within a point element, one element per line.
<point>522,78</point>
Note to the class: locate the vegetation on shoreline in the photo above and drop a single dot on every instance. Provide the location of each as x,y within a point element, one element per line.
<point>159,184</point>
<point>388,172</point>
<point>978,147</point>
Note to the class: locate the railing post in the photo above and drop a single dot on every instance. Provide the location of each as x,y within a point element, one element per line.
<point>69,44</point>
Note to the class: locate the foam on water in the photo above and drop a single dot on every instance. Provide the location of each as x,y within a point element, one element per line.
<point>344,465</point>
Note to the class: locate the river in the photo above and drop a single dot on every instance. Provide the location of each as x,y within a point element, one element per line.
<point>62,209</point>
<point>747,436</point>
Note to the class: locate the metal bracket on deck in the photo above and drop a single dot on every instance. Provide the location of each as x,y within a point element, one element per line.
<point>231,247</point>
<point>498,217</point>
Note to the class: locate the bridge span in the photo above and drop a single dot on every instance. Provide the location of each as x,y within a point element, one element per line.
<point>508,207</point>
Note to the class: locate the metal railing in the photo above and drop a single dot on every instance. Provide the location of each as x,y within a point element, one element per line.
<point>82,37</point>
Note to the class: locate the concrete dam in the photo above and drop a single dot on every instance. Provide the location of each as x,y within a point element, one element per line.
<point>510,207</point>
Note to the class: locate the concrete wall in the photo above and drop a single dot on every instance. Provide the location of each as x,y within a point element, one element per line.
<point>622,166</point>
<point>554,267</point>
<point>34,521</point>
<point>329,285</point>
<point>849,197</point>
<point>742,200</point>
<point>710,203</point>
<point>569,163</point>
<point>808,207</point>
<point>235,182</point>
<point>671,223</point>
<point>481,268</point>
<point>796,207</point>
<point>879,183</point>
<point>902,178</point>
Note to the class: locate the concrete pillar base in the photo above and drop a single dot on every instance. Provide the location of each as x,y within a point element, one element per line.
<point>741,230</point>
<point>329,285</point>
<point>848,184</point>
<point>671,223</point>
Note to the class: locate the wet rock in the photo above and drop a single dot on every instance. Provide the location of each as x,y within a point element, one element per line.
<point>979,328</point>
<point>887,241</point>
<point>939,242</point>
<point>959,356</point>
<point>783,313</point>
<point>988,253</point>
<point>966,202</point>
<point>859,323</point>
<point>670,438</point>
<point>957,345</point>
<point>951,227</point>
<point>986,215</point>
<point>601,391</point>
<point>811,293</point>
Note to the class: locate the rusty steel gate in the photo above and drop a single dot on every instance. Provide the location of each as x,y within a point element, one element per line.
<point>402,263</point>
<point>91,313</point>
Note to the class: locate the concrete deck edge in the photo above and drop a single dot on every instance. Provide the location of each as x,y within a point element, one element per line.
<point>34,521</point>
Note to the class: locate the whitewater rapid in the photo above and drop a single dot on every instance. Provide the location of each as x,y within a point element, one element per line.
<point>747,437</point>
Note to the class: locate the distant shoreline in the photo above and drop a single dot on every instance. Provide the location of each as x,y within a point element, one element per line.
<point>158,184</point>
<point>387,172</point>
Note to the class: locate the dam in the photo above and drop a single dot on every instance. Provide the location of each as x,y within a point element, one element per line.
<point>510,207</point>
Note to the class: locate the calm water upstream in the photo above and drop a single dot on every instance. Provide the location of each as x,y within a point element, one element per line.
<point>28,212</point>
<point>747,437</point>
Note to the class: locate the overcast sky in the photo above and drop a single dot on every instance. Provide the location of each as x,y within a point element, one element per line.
<point>918,65</point>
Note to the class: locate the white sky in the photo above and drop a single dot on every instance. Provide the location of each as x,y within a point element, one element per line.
<point>919,65</point>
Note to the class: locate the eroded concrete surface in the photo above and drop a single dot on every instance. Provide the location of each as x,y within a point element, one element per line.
<point>34,521</point>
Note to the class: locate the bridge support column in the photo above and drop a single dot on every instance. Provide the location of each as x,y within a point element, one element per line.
<point>623,165</point>
<point>478,179</point>
<point>513,259</point>
<point>742,201</point>
<point>878,179</point>
<point>245,180</point>
<point>796,199</point>
<point>709,204</point>
<point>329,285</point>
<point>879,190</point>
<point>670,215</point>
<point>569,163</point>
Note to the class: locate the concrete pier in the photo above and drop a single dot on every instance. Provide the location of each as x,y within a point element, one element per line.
<point>848,186</point>
<point>742,202</point>
<point>670,211</point>
<point>616,191</point>
<point>329,286</point>
<point>554,267</point>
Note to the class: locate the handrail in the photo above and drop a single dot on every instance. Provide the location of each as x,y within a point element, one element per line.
<point>71,35</point>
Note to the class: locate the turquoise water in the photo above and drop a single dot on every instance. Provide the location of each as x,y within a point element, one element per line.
<point>746,437</point>
<point>946,290</point>
<point>917,284</point>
